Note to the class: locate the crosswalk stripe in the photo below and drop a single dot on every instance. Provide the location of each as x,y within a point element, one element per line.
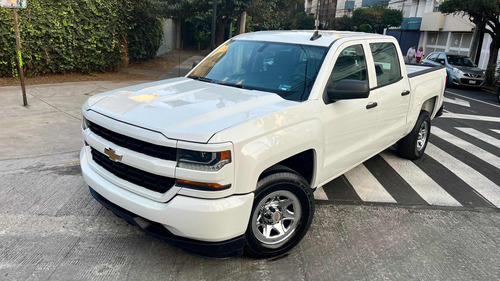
<point>319,194</point>
<point>488,189</point>
<point>470,117</point>
<point>482,136</point>
<point>478,152</point>
<point>367,187</point>
<point>429,190</point>
<point>496,131</point>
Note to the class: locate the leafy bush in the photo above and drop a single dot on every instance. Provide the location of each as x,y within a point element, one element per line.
<point>78,35</point>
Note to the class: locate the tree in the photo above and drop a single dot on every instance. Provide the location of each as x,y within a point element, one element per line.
<point>275,14</point>
<point>344,23</point>
<point>261,14</point>
<point>376,18</point>
<point>200,11</point>
<point>484,14</point>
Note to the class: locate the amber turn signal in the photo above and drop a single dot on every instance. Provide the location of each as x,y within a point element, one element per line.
<point>201,185</point>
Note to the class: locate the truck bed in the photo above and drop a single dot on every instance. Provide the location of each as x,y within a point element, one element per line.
<point>418,69</point>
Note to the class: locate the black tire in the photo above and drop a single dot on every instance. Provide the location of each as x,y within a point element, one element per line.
<point>412,146</point>
<point>282,184</point>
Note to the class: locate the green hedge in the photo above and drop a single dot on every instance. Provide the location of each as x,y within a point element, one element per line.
<point>80,35</point>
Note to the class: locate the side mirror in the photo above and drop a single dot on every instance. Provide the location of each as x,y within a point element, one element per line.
<point>441,62</point>
<point>348,89</point>
<point>195,63</point>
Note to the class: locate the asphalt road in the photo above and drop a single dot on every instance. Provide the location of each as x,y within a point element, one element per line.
<point>442,223</point>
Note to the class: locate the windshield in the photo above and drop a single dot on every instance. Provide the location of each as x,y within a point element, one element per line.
<point>460,61</point>
<point>288,70</point>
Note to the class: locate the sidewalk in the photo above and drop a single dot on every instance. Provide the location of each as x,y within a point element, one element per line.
<point>187,57</point>
<point>50,125</point>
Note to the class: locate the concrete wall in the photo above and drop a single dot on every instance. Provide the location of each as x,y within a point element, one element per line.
<point>485,52</point>
<point>169,37</point>
<point>457,23</point>
<point>432,22</point>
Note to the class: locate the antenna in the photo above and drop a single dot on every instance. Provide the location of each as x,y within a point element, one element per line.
<point>316,34</point>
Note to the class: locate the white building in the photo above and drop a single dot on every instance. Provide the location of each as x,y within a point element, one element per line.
<point>440,32</point>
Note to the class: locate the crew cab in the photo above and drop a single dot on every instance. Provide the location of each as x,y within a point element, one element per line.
<point>225,160</point>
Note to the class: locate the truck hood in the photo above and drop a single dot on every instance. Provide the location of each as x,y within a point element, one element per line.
<point>186,109</point>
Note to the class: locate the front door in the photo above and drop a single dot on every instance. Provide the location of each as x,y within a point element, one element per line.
<point>349,124</point>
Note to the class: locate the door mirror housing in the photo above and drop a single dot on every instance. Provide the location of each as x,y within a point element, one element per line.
<point>347,89</point>
<point>195,63</point>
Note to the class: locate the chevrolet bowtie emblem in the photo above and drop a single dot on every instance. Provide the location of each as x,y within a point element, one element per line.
<point>112,154</point>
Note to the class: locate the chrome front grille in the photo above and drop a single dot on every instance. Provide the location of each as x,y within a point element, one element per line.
<point>154,150</point>
<point>472,75</point>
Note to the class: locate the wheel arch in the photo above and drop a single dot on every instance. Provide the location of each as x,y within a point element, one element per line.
<point>303,163</point>
<point>429,105</point>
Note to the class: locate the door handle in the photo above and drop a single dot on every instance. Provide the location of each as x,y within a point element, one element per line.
<point>371,105</point>
<point>405,93</point>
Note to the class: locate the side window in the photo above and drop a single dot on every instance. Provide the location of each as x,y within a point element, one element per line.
<point>432,57</point>
<point>387,65</point>
<point>441,58</point>
<point>350,64</point>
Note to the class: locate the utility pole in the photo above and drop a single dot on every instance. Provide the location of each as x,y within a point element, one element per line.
<point>15,5</point>
<point>316,22</point>
<point>19,57</point>
<point>214,21</point>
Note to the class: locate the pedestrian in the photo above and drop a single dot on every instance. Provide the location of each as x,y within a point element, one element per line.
<point>419,54</point>
<point>410,54</point>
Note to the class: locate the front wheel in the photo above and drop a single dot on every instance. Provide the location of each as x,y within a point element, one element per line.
<point>281,214</point>
<point>413,145</point>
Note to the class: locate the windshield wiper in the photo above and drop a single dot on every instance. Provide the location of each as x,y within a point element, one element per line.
<point>200,78</point>
<point>235,85</point>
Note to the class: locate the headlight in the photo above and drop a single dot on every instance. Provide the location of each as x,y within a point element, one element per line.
<point>201,160</point>
<point>85,123</point>
<point>456,70</point>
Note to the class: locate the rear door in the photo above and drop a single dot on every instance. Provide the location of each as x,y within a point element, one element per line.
<point>392,91</point>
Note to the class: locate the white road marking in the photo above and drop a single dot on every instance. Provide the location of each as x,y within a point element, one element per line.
<point>495,105</point>
<point>470,117</point>
<point>457,101</point>
<point>319,194</point>
<point>496,131</point>
<point>479,152</point>
<point>488,189</point>
<point>482,136</point>
<point>367,186</point>
<point>426,187</point>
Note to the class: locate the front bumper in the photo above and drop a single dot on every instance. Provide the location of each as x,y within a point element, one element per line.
<point>462,80</point>
<point>191,220</point>
<point>229,248</point>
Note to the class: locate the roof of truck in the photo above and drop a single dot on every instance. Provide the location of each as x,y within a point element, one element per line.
<point>304,36</point>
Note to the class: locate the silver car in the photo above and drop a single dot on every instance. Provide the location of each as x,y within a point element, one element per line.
<point>461,69</point>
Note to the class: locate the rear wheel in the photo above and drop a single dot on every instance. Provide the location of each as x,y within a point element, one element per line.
<point>413,145</point>
<point>281,214</point>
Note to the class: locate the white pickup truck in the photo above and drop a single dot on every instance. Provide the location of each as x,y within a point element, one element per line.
<point>225,160</point>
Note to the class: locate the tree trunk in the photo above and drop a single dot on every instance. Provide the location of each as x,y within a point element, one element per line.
<point>492,61</point>
<point>219,34</point>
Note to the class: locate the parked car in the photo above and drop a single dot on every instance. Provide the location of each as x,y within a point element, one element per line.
<point>225,160</point>
<point>461,70</point>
